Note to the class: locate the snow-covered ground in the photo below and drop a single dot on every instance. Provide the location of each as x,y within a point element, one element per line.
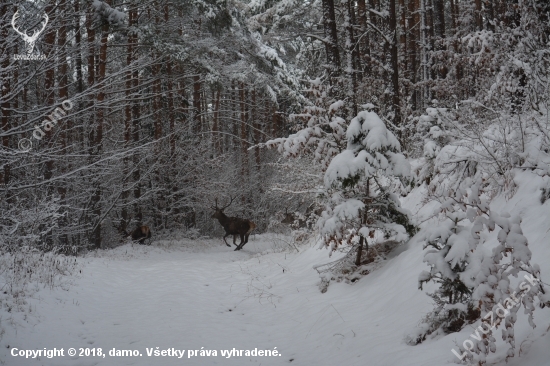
<point>194,294</point>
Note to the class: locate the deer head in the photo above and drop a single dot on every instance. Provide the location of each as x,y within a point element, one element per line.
<point>218,211</point>
<point>30,41</point>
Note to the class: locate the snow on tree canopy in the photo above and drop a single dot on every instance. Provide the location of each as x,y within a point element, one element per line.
<point>372,148</point>
<point>356,200</point>
<point>372,132</point>
<point>112,16</point>
<point>332,221</point>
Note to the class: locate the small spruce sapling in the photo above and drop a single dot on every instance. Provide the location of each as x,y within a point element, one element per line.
<point>357,181</point>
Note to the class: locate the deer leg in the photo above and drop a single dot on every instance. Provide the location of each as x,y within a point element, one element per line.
<point>242,243</point>
<point>226,235</point>
<point>239,246</point>
<point>245,240</point>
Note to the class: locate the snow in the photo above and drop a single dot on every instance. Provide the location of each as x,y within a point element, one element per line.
<point>376,135</point>
<point>344,165</point>
<point>189,294</point>
<point>372,155</point>
<point>203,294</point>
<point>336,106</point>
<point>111,15</point>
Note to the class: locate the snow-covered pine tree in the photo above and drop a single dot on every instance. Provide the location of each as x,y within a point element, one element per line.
<point>432,129</point>
<point>449,246</point>
<point>320,131</point>
<point>474,279</point>
<point>357,186</point>
<point>360,161</point>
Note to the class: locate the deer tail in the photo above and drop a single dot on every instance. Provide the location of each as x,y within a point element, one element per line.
<point>251,228</point>
<point>145,230</point>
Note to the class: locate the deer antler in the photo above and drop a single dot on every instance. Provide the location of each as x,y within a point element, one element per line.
<point>229,204</point>
<point>37,32</point>
<point>13,19</point>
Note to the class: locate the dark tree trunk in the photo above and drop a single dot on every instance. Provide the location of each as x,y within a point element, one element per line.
<point>395,64</point>
<point>478,16</point>
<point>359,251</point>
<point>439,25</point>
<point>78,41</point>
<point>244,133</point>
<point>216,136</point>
<point>413,39</point>
<point>197,105</point>
<point>350,67</point>
<point>136,119</point>
<point>331,37</point>
<point>257,128</point>
<point>98,140</point>
<point>5,90</point>
<point>364,46</point>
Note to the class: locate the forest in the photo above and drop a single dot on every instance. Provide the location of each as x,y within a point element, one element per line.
<point>376,130</point>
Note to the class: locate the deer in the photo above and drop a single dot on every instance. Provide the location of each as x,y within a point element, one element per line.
<point>233,225</point>
<point>30,41</point>
<point>139,234</point>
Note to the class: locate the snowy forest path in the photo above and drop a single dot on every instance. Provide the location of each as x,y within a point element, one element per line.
<point>184,298</point>
<point>199,293</point>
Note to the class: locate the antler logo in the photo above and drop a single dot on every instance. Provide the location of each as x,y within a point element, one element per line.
<point>37,27</point>
<point>29,40</point>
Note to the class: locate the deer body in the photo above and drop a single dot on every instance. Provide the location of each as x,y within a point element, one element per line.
<point>141,233</point>
<point>234,226</point>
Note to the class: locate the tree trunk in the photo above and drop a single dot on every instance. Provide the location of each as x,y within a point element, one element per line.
<point>395,64</point>
<point>98,140</point>
<point>216,136</point>
<point>364,46</point>
<point>425,50</point>
<point>171,114</point>
<point>136,128</point>
<point>359,251</point>
<point>439,19</point>
<point>431,39</point>
<point>170,87</point>
<point>244,134</point>
<point>350,53</point>
<point>127,122</point>
<point>157,104</point>
<point>49,83</point>
<point>6,91</point>
<point>49,87</point>
<point>257,129</point>
<point>235,115</point>
<point>67,126</point>
<point>403,33</point>
<point>197,105</point>
<point>439,24</point>
<point>331,37</point>
<point>78,41</point>
<point>413,39</point>
<point>478,15</point>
